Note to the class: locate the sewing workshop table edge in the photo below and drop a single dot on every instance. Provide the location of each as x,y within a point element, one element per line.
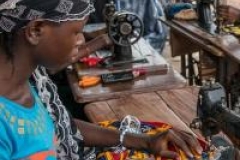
<point>180,82</point>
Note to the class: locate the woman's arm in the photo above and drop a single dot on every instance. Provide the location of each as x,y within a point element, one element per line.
<point>102,137</point>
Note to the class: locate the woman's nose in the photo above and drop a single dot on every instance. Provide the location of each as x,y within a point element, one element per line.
<point>80,40</point>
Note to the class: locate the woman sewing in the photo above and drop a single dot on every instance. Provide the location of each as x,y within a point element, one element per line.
<point>34,123</point>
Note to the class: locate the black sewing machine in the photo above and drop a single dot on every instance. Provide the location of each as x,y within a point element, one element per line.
<point>208,18</point>
<point>214,115</point>
<point>124,29</point>
<point>205,14</point>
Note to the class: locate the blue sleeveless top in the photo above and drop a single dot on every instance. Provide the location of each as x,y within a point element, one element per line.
<point>26,133</point>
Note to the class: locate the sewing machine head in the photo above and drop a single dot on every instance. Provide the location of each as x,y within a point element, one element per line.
<point>208,17</point>
<point>205,14</point>
<point>124,29</point>
<point>213,114</point>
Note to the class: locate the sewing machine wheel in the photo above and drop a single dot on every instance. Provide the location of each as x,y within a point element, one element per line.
<point>125,28</point>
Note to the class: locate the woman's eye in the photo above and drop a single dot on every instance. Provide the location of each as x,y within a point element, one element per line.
<point>78,32</point>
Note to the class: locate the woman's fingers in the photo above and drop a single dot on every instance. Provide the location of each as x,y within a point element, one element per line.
<point>173,137</point>
<point>191,141</point>
<point>185,141</point>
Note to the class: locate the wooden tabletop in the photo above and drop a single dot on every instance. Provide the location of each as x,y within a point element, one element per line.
<point>217,44</point>
<point>160,76</point>
<point>176,107</point>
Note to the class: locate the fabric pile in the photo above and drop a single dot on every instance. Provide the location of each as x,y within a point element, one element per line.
<point>150,128</point>
<point>174,9</point>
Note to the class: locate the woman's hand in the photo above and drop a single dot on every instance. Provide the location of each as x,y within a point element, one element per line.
<point>158,144</point>
<point>229,13</point>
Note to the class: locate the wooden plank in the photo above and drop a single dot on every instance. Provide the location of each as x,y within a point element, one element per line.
<point>198,41</point>
<point>226,43</point>
<point>183,102</point>
<point>147,83</point>
<point>147,107</point>
<point>180,45</point>
<point>99,111</point>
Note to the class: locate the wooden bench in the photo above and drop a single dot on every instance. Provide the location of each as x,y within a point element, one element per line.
<point>176,107</point>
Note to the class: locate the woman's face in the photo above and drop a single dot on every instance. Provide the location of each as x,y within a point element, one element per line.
<point>59,43</point>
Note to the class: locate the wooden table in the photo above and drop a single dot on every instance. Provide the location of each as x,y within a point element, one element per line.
<point>187,37</point>
<point>176,107</point>
<point>160,77</point>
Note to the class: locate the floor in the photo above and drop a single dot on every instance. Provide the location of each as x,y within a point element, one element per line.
<point>174,61</point>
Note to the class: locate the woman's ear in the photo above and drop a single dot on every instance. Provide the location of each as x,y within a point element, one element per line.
<point>34,31</point>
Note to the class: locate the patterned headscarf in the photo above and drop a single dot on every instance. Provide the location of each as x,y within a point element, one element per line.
<point>15,14</point>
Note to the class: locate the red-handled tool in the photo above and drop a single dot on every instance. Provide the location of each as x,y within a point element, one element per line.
<point>91,61</point>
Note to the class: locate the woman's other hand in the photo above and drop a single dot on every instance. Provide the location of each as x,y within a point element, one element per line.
<point>158,144</point>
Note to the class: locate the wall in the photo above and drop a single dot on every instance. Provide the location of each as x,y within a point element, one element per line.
<point>235,3</point>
